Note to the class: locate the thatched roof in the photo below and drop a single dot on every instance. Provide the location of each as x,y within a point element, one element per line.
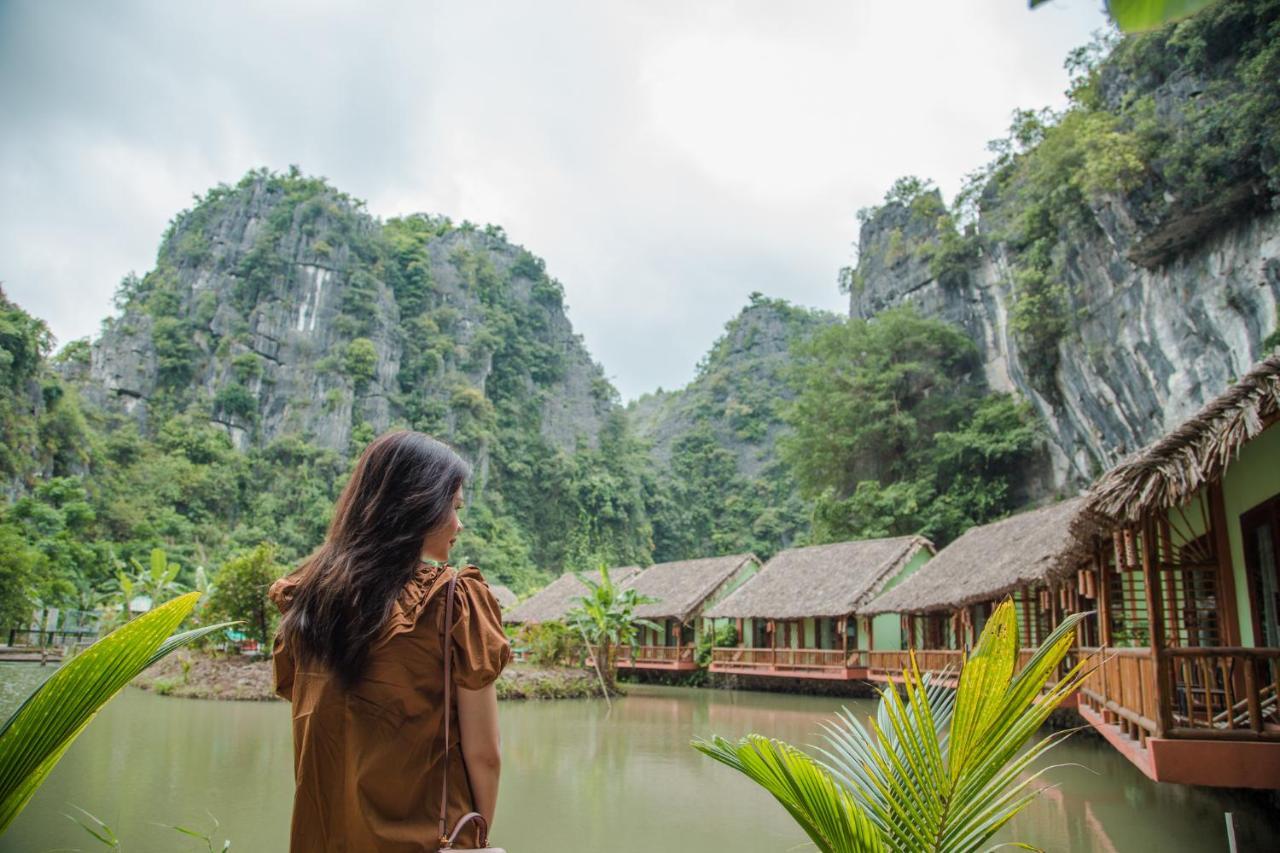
<point>506,598</point>
<point>556,599</point>
<point>1168,472</point>
<point>991,560</point>
<point>682,587</point>
<point>821,580</point>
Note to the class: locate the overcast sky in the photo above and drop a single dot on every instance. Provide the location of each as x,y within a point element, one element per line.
<point>665,158</point>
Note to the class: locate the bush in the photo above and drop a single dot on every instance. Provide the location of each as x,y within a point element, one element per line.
<point>240,592</point>
<point>360,361</point>
<point>550,644</point>
<point>723,637</point>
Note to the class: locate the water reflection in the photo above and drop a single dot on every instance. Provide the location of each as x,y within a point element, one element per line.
<point>575,777</point>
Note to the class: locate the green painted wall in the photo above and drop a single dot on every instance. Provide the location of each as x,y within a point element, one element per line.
<point>1249,480</point>
<point>737,579</point>
<point>887,627</point>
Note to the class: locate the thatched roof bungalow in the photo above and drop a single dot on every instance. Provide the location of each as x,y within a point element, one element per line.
<point>683,589</point>
<point>794,619</point>
<point>1188,574</point>
<point>821,580</point>
<point>557,598</point>
<point>992,560</point>
<point>684,586</point>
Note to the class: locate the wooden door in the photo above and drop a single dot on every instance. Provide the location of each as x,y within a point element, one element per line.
<point>1260,527</point>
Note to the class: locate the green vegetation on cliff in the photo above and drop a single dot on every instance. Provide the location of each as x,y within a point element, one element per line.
<point>894,432</point>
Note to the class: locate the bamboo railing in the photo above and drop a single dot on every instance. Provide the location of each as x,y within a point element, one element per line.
<point>799,659</point>
<point>631,655</point>
<point>929,660</point>
<point>1206,693</point>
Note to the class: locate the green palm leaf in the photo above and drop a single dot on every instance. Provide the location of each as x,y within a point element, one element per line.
<point>936,769</point>
<point>827,813</point>
<point>1136,16</point>
<point>36,736</point>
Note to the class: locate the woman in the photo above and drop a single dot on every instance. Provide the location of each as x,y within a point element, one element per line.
<point>359,655</point>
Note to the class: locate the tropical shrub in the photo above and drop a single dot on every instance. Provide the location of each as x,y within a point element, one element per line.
<point>240,591</point>
<point>551,644</point>
<point>606,619</point>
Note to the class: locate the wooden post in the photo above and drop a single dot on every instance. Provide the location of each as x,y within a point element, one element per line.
<point>1155,623</point>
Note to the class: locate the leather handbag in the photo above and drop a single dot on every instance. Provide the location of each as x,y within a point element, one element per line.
<point>482,826</point>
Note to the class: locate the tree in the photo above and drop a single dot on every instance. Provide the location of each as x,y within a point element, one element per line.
<point>20,568</point>
<point>240,591</point>
<point>894,431</point>
<point>606,619</point>
<point>941,771</point>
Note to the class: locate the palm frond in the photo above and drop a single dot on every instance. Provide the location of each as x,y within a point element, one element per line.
<point>827,813</point>
<point>36,736</point>
<point>941,769</point>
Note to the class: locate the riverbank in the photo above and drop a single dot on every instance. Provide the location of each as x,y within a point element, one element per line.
<point>199,675</point>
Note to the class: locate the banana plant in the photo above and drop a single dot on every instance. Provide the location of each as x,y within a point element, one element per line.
<point>37,735</point>
<point>606,619</point>
<point>158,579</point>
<point>940,770</point>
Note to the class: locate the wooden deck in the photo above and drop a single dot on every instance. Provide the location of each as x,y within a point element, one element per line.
<point>658,658</point>
<point>1197,716</point>
<point>825,664</point>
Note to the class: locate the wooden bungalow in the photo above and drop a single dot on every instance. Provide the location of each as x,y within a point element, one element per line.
<point>553,601</point>
<point>796,617</point>
<point>683,589</point>
<point>1189,595</point>
<point>1033,557</point>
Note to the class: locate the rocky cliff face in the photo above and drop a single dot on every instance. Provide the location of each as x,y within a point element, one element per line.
<point>280,307</point>
<point>1147,346</point>
<point>1124,263</point>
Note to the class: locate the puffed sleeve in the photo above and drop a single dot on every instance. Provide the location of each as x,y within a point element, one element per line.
<point>480,648</point>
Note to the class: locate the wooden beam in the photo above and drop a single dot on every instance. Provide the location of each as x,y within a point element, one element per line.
<point>1104,597</point>
<point>1227,612</point>
<point>1155,625</point>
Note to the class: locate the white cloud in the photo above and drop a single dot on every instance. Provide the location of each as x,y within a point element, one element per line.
<point>665,158</point>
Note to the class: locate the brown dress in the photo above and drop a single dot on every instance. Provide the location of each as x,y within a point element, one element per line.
<point>368,762</point>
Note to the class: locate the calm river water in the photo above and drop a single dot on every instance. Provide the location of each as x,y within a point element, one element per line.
<point>575,778</point>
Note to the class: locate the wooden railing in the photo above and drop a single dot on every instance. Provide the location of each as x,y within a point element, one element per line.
<point>785,658</point>
<point>1204,693</point>
<point>655,654</point>
<point>929,660</point>
<point>1123,686</point>
<point>1228,693</point>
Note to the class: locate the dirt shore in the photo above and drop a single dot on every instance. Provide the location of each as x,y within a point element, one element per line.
<point>198,675</point>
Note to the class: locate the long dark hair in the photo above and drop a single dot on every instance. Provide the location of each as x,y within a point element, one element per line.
<point>401,490</point>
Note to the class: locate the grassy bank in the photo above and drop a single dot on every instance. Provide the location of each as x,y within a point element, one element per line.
<point>198,675</point>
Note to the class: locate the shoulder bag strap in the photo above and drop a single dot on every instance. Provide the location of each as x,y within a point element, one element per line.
<point>446,841</point>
